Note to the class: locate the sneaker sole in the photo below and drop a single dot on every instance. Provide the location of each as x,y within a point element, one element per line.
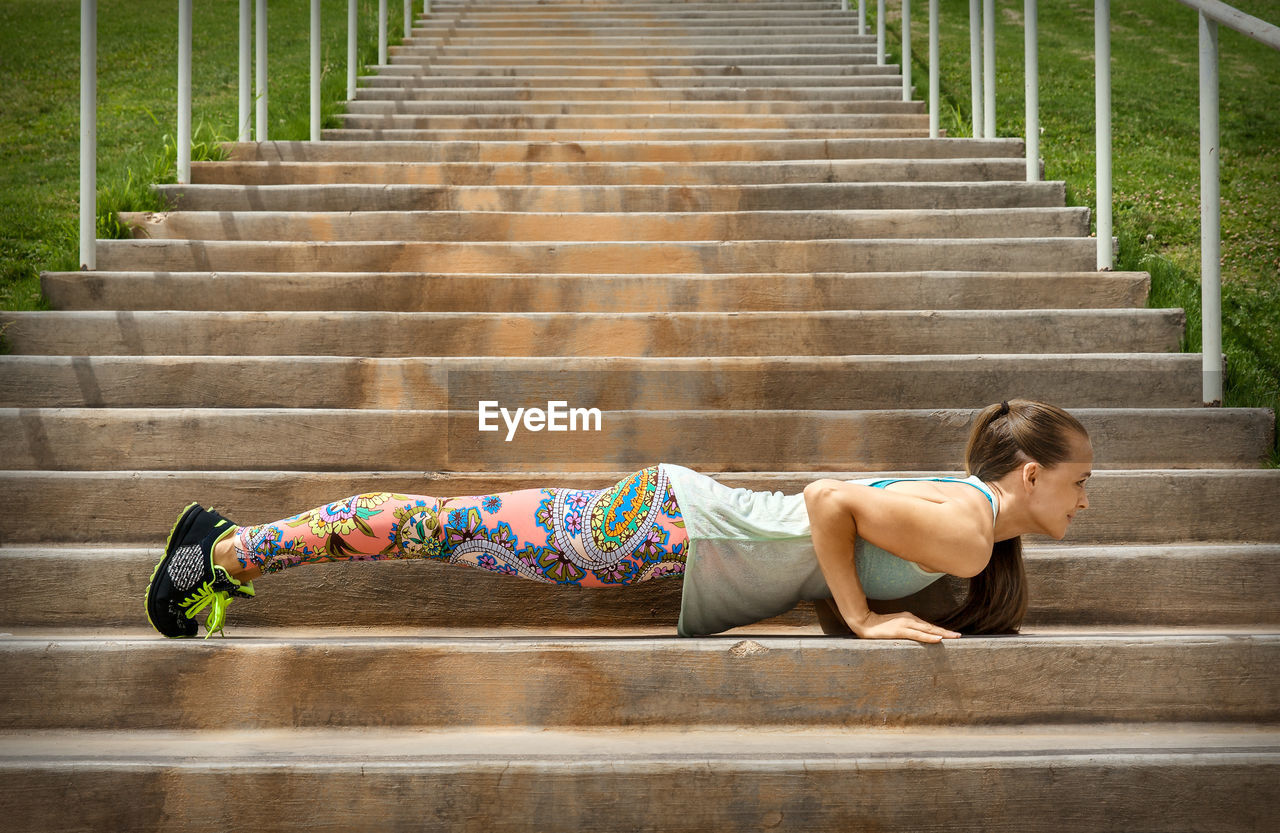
<point>185,519</point>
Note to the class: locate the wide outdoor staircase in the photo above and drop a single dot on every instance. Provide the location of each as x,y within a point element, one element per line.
<point>718,223</point>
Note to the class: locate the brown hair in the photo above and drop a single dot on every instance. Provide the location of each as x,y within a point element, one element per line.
<point>1005,436</point>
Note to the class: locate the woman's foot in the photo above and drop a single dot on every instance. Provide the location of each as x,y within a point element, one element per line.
<point>228,558</point>
<point>187,579</point>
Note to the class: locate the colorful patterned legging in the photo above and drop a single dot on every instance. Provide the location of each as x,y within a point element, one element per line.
<point>629,532</point>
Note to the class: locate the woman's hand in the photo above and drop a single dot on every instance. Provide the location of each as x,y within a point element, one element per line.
<point>902,625</point>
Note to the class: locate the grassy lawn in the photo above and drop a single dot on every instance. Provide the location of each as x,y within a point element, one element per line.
<point>1155,150</point>
<point>1155,123</point>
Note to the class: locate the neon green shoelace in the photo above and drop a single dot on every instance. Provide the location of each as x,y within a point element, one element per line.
<point>217,601</point>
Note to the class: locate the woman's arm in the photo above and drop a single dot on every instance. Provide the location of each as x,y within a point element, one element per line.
<point>834,528</point>
<point>953,537</point>
<point>829,618</point>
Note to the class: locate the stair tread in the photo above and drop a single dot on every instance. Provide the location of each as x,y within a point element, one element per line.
<point>635,747</point>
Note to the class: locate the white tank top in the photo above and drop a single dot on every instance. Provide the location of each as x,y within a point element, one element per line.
<point>750,554</point>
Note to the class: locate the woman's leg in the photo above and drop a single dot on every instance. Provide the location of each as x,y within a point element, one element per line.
<point>629,532</point>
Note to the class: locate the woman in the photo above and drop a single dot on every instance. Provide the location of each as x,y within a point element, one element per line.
<point>743,555</point>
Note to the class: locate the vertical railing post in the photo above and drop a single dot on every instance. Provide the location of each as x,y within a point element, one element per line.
<point>906,50</point>
<point>933,69</point>
<point>844,5</point>
<point>245,124</point>
<point>260,74</point>
<point>1102,117</point>
<point>975,64</point>
<point>862,17</point>
<point>184,92</point>
<point>426,6</point>
<point>408,18</point>
<point>351,50</point>
<point>1032,60</point>
<point>989,69</point>
<point>315,70</point>
<point>1210,229</point>
<point>880,32</point>
<point>88,134</point>
<point>382,32</point>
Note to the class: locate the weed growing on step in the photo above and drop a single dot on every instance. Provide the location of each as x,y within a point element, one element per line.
<point>135,192</point>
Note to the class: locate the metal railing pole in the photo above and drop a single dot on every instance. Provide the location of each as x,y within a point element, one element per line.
<point>906,50</point>
<point>975,65</point>
<point>315,70</point>
<point>260,75</point>
<point>1032,90</point>
<point>1102,100</point>
<point>408,17</point>
<point>245,124</point>
<point>426,6</point>
<point>933,69</point>
<point>184,92</point>
<point>382,32</point>
<point>1210,208</point>
<point>844,5</point>
<point>352,58</point>
<point>880,32</point>
<point>862,17</point>
<point>989,69</point>
<point>88,134</point>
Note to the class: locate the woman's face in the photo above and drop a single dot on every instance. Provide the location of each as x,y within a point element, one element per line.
<point>1058,491</point>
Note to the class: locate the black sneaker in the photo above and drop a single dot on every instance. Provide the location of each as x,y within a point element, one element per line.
<point>186,580</point>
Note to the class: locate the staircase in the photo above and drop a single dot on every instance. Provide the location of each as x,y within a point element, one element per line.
<point>718,223</point>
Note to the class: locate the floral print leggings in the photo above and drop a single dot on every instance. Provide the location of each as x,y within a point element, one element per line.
<point>629,532</point>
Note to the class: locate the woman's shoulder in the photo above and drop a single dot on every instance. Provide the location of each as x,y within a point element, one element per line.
<point>958,489</point>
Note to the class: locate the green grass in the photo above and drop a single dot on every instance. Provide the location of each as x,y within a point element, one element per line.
<point>137,110</point>
<point>1155,151</point>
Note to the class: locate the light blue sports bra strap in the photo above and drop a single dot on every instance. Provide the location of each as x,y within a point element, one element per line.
<point>880,484</point>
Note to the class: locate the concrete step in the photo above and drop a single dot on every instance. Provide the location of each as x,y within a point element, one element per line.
<point>811,96</point>
<point>389,334</point>
<point>561,134</point>
<point>460,226</point>
<point>821,383</point>
<point>886,196</point>
<point>636,151</point>
<point>304,680</point>
<point>246,439</point>
<point>1149,586</point>
<point>668,48</point>
<point>1029,254</point>
<point>725,62</point>
<point>405,77</point>
<point>667,9</point>
<point>1127,507</point>
<point>517,31</point>
<point>435,292</point>
<point>912,116</point>
<point>714,151</point>
<point>661,173</point>
<point>1128,380</point>
<point>1134,776</point>
<point>739,68</point>
<point>889,102</point>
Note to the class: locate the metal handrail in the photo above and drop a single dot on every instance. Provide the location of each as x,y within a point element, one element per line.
<point>258,22</point>
<point>982,88</point>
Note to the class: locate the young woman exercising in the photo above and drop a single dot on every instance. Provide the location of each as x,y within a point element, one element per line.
<point>743,555</point>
